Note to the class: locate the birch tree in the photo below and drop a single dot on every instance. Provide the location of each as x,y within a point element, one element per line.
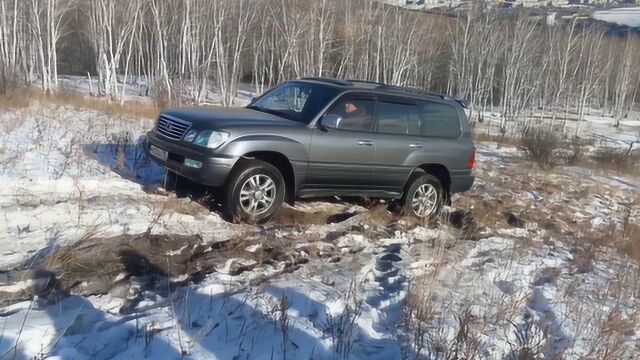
<point>112,23</point>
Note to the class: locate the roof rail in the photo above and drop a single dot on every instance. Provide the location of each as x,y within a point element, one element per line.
<point>464,103</point>
<point>382,86</point>
<point>365,82</point>
<point>328,80</point>
<point>415,91</point>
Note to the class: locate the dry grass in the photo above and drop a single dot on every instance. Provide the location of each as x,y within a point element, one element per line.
<point>500,140</point>
<point>16,99</point>
<point>613,160</point>
<point>623,238</point>
<point>23,97</point>
<point>628,241</point>
<point>541,146</point>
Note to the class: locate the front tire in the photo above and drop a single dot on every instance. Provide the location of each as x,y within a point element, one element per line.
<point>254,193</point>
<point>424,197</point>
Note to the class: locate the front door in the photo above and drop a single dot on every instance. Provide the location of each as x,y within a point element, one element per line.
<point>341,157</point>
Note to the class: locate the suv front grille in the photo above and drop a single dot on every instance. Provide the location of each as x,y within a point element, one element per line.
<point>171,128</point>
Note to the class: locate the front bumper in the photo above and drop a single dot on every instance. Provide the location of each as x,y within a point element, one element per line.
<point>214,170</point>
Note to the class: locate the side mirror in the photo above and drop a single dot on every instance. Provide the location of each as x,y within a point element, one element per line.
<point>253,99</point>
<point>330,121</point>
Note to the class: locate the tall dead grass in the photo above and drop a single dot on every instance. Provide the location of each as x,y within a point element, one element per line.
<point>23,97</point>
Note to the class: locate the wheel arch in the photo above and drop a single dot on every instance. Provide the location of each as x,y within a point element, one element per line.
<point>440,171</point>
<point>283,164</point>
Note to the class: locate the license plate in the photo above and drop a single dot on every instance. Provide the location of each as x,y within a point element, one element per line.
<point>159,153</point>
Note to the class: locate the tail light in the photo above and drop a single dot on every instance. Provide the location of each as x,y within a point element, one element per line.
<point>472,159</point>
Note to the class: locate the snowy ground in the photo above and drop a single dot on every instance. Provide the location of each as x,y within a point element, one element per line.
<point>623,16</point>
<point>597,127</point>
<point>529,263</point>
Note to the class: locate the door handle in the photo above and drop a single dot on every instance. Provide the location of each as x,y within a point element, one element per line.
<point>415,146</point>
<point>365,142</point>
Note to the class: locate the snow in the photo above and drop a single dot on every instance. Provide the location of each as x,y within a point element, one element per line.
<point>620,16</point>
<point>598,126</point>
<point>71,173</point>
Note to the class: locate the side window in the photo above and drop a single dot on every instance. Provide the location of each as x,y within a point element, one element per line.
<point>439,120</point>
<point>397,118</point>
<point>356,114</point>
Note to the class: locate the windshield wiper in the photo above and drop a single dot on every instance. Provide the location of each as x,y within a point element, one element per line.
<point>272,112</point>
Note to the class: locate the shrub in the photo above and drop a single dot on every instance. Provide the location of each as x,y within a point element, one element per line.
<point>540,146</point>
<point>573,153</point>
<point>613,158</point>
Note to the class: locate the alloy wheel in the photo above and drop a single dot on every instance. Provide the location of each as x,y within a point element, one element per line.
<point>257,194</point>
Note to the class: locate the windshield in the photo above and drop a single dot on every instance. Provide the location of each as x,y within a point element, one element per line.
<point>296,101</point>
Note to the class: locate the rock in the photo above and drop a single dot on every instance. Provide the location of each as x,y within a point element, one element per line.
<point>514,220</point>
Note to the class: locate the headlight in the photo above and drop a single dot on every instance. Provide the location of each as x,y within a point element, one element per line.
<point>190,135</point>
<point>211,139</point>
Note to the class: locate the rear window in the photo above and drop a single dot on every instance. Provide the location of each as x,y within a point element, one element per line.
<point>439,120</point>
<point>397,118</point>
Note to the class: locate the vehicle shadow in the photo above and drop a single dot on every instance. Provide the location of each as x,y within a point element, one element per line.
<point>128,159</point>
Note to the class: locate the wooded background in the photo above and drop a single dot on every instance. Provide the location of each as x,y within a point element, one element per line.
<point>513,64</point>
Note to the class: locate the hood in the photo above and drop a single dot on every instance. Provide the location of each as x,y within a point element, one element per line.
<point>225,118</point>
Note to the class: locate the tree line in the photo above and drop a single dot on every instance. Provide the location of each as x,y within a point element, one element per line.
<point>514,65</point>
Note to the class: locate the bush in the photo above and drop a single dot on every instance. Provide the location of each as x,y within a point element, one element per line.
<point>613,158</point>
<point>573,153</point>
<point>540,146</point>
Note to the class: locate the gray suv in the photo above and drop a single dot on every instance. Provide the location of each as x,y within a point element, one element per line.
<point>318,137</point>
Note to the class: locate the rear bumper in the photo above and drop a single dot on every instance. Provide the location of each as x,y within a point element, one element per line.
<point>214,170</point>
<point>461,182</point>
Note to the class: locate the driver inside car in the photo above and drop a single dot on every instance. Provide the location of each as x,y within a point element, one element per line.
<point>354,114</point>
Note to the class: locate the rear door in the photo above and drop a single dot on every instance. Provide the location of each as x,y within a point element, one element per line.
<point>445,142</point>
<point>399,144</point>
<point>342,157</point>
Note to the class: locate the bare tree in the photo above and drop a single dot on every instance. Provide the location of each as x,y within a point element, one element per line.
<point>513,64</point>
<point>10,36</point>
<point>46,22</point>
<point>112,23</point>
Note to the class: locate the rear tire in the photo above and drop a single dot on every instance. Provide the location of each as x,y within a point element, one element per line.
<point>254,192</point>
<point>423,198</point>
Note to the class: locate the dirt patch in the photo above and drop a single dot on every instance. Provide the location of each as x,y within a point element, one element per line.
<point>131,264</point>
<point>290,216</point>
